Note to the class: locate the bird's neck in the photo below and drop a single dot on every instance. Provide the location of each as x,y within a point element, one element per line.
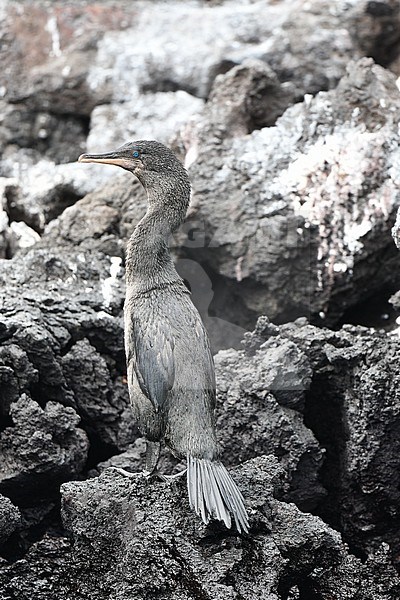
<point>148,260</point>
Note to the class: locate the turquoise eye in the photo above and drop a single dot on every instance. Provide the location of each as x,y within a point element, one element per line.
<point>135,154</point>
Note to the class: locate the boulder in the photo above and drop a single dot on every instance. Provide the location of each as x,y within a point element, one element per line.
<point>295,217</point>
<point>41,449</point>
<point>60,322</point>
<point>155,545</point>
<point>352,408</point>
<point>10,518</point>
<point>260,405</point>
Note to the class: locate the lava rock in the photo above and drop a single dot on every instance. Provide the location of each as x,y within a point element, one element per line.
<point>155,545</point>
<point>98,398</point>
<point>10,518</point>
<point>352,408</point>
<point>296,40</point>
<point>107,215</point>
<point>59,317</point>
<point>39,573</point>
<point>44,446</point>
<point>85,56</point>
<point>46,99</point>
<point>247,97</point>
<point>303,212</point>
<point>41,190</point>
<point>260,405</point>
<point>21,236</point>
<point>57,137</point>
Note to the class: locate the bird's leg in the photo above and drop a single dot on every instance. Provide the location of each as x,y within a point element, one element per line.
<point>153,450</point>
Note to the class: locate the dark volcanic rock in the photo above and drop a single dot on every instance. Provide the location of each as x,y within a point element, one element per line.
<point>10,518</point>
<point>291,215</point>
<point>107,215</point>
<point>60,327</point>
<point>303,213</point>
<point>261,402</point>
<point>247,97</point>
<point>99,398</point>
<point>40,573</point>
<point>352,407</point>
<point>43,448</point>
<point>155,547</point>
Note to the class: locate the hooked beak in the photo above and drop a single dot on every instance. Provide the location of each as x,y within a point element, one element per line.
<point>109,158</point>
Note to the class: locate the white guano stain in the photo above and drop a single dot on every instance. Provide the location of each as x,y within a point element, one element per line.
<point>108,285</point>
<point>52,28</point>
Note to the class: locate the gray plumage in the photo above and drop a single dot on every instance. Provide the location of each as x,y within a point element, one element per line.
<point>170,367</point>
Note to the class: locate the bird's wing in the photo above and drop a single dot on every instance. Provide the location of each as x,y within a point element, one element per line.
<point>208,362</point>
<point>151,353</point>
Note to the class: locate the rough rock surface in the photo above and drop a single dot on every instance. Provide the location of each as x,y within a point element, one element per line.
<point>289,220</point>
<point>297,41</point>
<point>352,407</point>
<point>295,216</point>
<point>149,116</point>
<point>9,518</point>
<point>70,77</point>
<point>261,402</point>
<point>291,214</point>
<point>54,340</point>
<point>43,448</point>
<point>40,190</point>
<point>154,548</point>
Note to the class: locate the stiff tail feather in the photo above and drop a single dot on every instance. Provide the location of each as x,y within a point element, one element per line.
<point>214,494</point>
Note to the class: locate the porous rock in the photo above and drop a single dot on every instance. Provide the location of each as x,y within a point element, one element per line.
<point>91,55</point>
<point>46,98</point>
<point>352,408</point>
<point>60,325</point>
<point>10,518</point>
<point>298,41</point>
<point>107,215</point>
<point>98,398</point>
<point>295,216</point>
<point>260,405</point>
<point>39,573</point>
<point>149,116</point>
<point>290,219</point>
<point>41,190</point>
<point>155,545</point>
<point>43,447</point>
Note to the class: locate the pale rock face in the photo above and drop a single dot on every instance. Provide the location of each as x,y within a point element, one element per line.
<point>182,59</point>
<point>290,213</point>
<point>150,116</point>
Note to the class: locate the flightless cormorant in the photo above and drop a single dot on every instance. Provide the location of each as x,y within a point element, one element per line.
<point>169,364</point>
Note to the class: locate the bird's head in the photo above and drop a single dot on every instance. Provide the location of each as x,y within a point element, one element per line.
<point>151,162</point>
